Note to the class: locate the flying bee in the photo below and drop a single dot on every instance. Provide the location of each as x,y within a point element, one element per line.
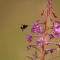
<point>23,27</point>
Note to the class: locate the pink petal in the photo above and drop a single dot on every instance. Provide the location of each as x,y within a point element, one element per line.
<point>55,24</point>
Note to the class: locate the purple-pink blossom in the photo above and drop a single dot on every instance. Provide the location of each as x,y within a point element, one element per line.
<point>34,25</point>
<point>33,30</point>
<point>57,30</point>
<point>40,29</point>
<point>39,40</point>
<point>36,29</point>
<point>51,36</point>
<point>58,34</point>
<point>28,38</point>
<point>58,44</point>
<point>28,47</point>
<point>56,24</point>
<point>51,51</point>
<point>46,42</point>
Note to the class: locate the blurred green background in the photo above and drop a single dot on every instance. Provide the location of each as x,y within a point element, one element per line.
<point>12,15</point>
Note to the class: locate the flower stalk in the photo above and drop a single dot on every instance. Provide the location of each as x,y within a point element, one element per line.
<point>44,37</point>
<point>42,33</point>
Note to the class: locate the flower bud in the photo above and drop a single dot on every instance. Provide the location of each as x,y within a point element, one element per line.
<point>28,47</point>
<point>54,14</point>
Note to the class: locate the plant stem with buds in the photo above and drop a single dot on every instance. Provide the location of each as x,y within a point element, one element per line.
<point>42,57</point>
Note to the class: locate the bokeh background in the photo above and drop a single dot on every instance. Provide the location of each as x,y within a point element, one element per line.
<point>12,15</point>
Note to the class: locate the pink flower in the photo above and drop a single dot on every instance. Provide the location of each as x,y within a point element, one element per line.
<point>34,25</point>
<point>46,43</point>
<point>39,40</point>
<point>55,24</point>
<point>51,51</point>
<point>40,29</point>
<point>28,38</point>
<point>28,47</point>
<point>36,29</point>
<point>51,36</point>
<point>57,30</point>
<point>33,30</point>
<point>58,44</point>
<point>58,34</point>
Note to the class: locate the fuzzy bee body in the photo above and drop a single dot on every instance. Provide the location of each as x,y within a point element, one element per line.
<point>23,27</point>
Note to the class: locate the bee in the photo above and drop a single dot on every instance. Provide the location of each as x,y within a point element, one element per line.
<point>23,27</point>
